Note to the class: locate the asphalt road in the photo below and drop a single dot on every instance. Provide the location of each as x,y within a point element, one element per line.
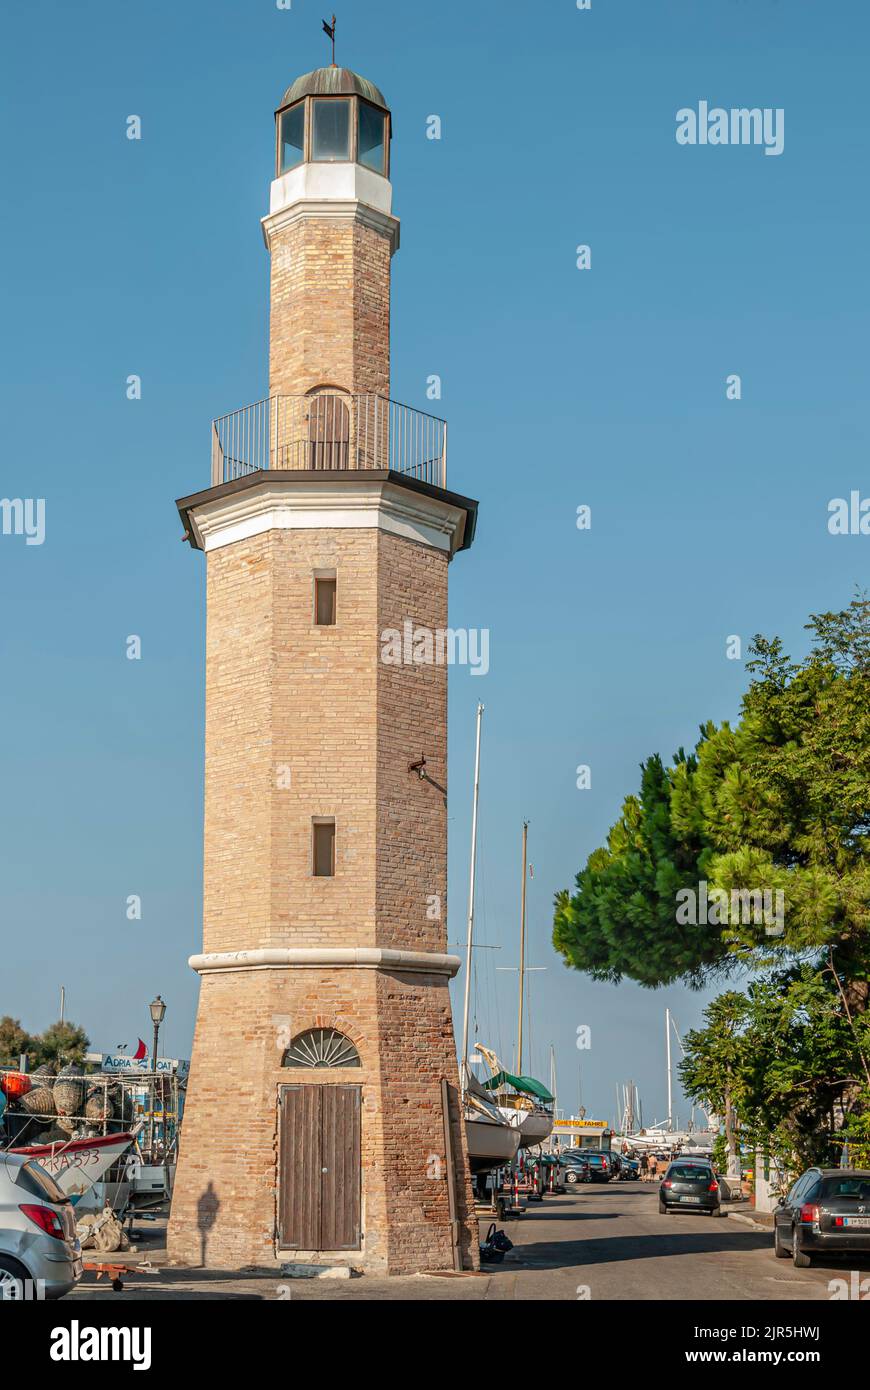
<point>596,1242</point>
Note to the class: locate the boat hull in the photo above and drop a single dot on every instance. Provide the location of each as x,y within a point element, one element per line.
<point>534,1125</point>
<point>76,1166</point>
<point>490,1144</point>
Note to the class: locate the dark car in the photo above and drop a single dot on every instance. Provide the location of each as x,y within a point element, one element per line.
<point>629,1168</point>
<point>827,1212</point>
<point>575,1167</point>
<point>600,1166</point>
<point>688,1186</point>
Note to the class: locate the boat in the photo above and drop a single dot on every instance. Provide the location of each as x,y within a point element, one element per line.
<point>77,1164</point>
<point>521,1100</point>
<point>490,1139</point>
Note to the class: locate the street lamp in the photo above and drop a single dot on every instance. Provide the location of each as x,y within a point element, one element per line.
<point>158,1009</point>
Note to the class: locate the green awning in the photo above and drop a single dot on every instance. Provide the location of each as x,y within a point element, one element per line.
<point>527,1084</point>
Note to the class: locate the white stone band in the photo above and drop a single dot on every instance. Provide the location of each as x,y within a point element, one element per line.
<point>335,958</point>
<point>352,502</point>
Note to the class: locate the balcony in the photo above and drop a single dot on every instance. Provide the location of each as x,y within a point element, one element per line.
<point>332,431</point>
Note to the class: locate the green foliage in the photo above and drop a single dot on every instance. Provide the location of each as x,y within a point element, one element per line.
<point>779,802</point>
<point>59,1044</point>
<point>62,1043</point>
<point>791,1060</point>
<point>13,1041</point>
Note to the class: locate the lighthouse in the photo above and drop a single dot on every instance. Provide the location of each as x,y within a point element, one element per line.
<point>322,1122</point>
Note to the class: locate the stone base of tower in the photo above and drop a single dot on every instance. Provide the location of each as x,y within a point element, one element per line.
<point>245,1174</point>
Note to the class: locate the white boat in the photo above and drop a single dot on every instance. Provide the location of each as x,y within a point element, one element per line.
<point>491,1141</point>
<point>534,1126</point>
<point>524,1103</point>
<point>77,1164</point>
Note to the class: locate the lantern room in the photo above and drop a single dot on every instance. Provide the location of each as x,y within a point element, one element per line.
<point>333,116</point>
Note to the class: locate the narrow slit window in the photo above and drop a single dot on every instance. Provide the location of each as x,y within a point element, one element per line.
<point>324,602</point>
<point>324,848</point>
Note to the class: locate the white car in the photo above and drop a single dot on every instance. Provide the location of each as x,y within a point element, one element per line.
<point>40,1254</point>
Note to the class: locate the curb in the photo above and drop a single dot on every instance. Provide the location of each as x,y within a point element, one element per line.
<point>748,1221</point>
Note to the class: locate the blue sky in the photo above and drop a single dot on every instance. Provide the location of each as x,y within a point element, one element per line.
<point>562,387</point>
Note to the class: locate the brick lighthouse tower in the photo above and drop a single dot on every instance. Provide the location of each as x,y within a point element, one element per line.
<point>322,1120</point>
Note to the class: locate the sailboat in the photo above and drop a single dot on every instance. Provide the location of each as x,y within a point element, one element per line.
<point>491,1140</point>
<point>523,1102</point>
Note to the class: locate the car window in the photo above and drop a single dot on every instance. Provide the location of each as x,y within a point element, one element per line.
<point>689,1172</point>
<point>799,1188</point>
<point>36,1182</point>
<point>845,1186</point>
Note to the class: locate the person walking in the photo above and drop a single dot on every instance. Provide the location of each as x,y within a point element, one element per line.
<point>653,1167</point>
<point>644,1167</point>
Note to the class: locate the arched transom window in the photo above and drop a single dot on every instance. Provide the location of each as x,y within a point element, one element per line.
<point>321,1047</point>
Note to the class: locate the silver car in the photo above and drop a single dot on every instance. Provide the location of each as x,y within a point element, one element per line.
<point>40,1254</point>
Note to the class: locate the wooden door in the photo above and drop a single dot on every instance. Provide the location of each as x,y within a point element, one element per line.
<point>319,1168</point>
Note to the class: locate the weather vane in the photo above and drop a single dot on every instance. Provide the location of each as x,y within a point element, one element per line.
<point>330,30</point>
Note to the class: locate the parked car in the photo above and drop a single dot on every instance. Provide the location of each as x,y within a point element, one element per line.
<point>827,1211</point>
<point>38,1239</point>
<point>690,1186</point>
<point>575,1167</point>
<point>629,1169</point>
<point>600,1166</point>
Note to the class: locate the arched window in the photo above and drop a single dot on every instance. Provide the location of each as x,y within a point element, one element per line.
<point>328,431</point>
<point>321,1047</point>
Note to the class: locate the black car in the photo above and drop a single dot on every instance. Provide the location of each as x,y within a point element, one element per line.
<point>575,1167</point>
<point>688,1186</point>
<point>827,1212</point>
<point>600,1166</point>
<point>629,1168</point>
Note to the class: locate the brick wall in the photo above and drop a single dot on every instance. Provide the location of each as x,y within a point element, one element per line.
<point>330,316</point>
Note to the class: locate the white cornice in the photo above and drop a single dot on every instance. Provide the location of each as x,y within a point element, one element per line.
<point>336,209</point>
<point>353,503</point>
<point>334,958</point>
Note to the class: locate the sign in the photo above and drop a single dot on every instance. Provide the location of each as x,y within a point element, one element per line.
<point>117,1063</point>
<point>580,1124</point>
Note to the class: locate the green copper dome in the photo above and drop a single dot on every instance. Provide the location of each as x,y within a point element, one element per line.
<point>333,82</point>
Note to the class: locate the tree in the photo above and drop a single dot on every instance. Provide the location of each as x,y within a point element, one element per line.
<point>787,1061</point>
<point>14,1040</point>
<point>714,1068</point>
<point>778,803</point>
<point>61,1043</point>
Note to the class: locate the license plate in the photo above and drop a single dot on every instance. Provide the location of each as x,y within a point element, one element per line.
<point>862,1221</point>
<point>690,1199</point>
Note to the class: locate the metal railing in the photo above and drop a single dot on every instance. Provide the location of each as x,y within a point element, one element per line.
<point>329,430</point>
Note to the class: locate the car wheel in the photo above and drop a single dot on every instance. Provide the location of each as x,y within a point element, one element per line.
<point>717,1211</point>
<point>799,1258</point>
<point>780,1249</point>
<point>663,1211</point>
<point>12,1275</point>
<point>571,1177</point>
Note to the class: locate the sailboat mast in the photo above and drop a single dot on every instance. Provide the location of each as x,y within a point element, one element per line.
<point>522,950</point>
<point>468,948</point>
<point>670,1083</point>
